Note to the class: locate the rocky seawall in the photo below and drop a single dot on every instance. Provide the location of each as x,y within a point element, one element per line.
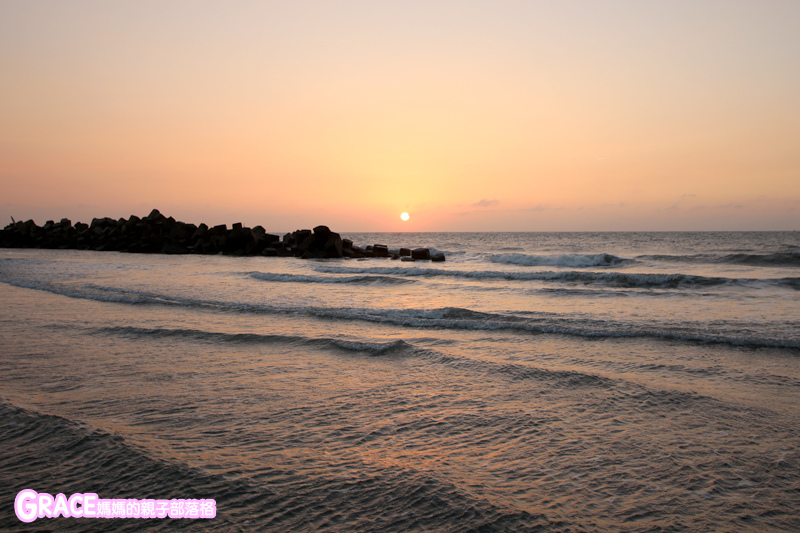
<point>158,234</point>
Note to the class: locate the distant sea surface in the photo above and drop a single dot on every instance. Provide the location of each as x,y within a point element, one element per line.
<point>532,382</point>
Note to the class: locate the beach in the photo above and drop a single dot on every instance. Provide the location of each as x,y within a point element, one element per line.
<point>531,382</point>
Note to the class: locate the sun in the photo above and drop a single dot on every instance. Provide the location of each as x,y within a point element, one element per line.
<point>404,216</point>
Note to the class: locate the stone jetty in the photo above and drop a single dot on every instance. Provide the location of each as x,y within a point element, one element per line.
<point>157,234</point>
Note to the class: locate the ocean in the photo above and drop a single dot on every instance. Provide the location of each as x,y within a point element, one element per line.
<point>531,382</point>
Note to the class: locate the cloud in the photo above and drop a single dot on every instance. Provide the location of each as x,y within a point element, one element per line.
<point>485,203</point>
<point>541,207</point>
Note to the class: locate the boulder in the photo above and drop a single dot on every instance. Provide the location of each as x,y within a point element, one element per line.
<point>156,233</point>
<point>322,231</point>
<point>200,232</point>
<point>156,216</point>
<point>258,232</point>
<point>333,246</point>
<point>420,254</point>
<point>380,250</point>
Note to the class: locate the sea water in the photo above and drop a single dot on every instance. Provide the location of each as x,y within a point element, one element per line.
<point>531,382</point>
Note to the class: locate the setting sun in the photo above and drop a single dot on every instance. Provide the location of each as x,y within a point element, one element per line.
<point>404,216</point>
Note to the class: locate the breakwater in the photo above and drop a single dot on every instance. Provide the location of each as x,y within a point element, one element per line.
<point>157,233</point>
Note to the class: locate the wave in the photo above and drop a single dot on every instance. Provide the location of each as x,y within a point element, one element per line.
<point>777,259</point>
<point>734,334</point>
<point>354,496</point>
<point>89,291</point>
<point>561,260</point>
<point>73,457</point>
<point>400,275</point>
<point>611,279</point>
<point>371,348</point>
<point>399,346</point>
<point>514,371</point>
<point>454,318</point>
<point>554,324</point>
<point>356,280</point>
<point>792,283</point>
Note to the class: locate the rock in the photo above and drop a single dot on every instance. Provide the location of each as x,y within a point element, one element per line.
<point>236,240</point>
<point>155,216</point>
<point>420,253</point>
<point>321,243</point>
<point>258,232</point>
<point>200,232</point>
<point>322,231</point>
<point>349,250</point>
<point>333,246</point>
<point>156,233</point>
<point>298,237</point>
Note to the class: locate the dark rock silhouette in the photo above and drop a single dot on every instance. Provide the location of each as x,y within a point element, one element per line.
<point>156,233</point>
<point>420,253</point>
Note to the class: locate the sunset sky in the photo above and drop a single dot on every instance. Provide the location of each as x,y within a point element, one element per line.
<point>468,115</point>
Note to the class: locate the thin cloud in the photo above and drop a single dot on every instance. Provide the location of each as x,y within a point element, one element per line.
<point>485,203</point>
<point>540,207</point>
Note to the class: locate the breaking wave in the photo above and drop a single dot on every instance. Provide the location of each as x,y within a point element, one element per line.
<point>561,260</point>
<point>777,259</point>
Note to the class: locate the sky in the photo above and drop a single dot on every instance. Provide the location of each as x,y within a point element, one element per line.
<point>469,115</point>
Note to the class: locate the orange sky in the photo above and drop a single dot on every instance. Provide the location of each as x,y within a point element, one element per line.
<point>471,116</point>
